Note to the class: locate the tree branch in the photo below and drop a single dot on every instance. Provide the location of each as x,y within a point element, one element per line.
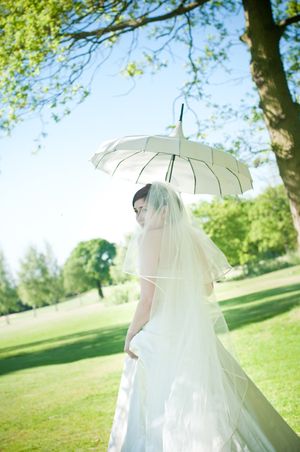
<point>283,24</point>
<point>139,22</point>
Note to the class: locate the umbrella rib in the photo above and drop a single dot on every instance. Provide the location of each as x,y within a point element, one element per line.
<point>146,166</point>
<point>236,177</point>
<point>214,175</point>
<point>121,161</point>
<point>193,175</point>
<point>108,152</point>
<point>105,153</point>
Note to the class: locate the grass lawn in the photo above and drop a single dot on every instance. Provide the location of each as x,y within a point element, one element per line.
<point>60,371</point>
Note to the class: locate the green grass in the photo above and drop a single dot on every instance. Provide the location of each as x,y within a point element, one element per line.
<point>60,371</point>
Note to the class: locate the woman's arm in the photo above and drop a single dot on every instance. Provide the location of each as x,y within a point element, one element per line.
<point>149,251</point>
<point>142,313</point>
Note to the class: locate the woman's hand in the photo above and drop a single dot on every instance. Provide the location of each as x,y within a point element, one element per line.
<point>129,336</point>
<point>209,288</point>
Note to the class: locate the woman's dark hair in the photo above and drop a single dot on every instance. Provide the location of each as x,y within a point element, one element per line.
<point>141,193</point>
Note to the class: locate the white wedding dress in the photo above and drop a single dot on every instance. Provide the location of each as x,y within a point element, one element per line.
<point>187,392</point>
<point>142,404</point>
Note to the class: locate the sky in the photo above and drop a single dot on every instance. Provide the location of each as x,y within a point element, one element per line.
<point>56,194</point>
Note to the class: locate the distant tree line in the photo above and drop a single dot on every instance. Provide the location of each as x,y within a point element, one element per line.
<point>246,230</point>
<point>41,281</point>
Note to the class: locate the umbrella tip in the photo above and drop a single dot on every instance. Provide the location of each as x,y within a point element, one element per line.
<point>181,112</point>
<point>178,133</point>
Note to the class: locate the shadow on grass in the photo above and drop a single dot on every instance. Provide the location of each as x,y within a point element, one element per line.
<point>260,306</point>
<point>82,345</point>
<point>260,295</point>
<point>107,341</point>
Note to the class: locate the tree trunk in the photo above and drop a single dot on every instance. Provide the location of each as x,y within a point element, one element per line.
<point>99,287</point>
<point>290,173</point>
<point>281,113</point>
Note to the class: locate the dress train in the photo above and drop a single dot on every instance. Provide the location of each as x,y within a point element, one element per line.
<point>138,426</point>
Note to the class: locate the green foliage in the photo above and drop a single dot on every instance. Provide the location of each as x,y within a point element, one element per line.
<point>226,222</point>
<point>89,265</point>
<point>271,227</point>
<point>54,279</point>
<point>46,46</point>
<point>8,292</point>
<point>31,45</point>
<point>132,70</point>
<point>249,231</point>
<point>124,293</point>
<point>40,278</point>
<point>267,265</point>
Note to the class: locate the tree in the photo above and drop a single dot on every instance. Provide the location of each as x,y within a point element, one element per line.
<point>8,292</point>
<point>249,231</point>
<point>271,223</point>
<point>54,279</point>
<point>88,266</point>
<point>32,288</point>
<point>40,280</point>
<point>280,110</point>
<point>46,46</point>
<point>226,222</point>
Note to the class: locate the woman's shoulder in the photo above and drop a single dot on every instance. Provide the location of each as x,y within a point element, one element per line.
<point>150,237</point>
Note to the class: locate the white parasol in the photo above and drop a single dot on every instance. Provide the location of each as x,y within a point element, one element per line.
<point>191,167</point>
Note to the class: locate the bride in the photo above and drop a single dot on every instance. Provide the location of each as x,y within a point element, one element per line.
<point>182,388</point>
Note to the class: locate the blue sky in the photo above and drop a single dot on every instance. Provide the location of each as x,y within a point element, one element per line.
<point>57,195</point>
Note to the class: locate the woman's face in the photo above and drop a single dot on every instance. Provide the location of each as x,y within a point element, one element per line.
<point>145,213</point>
<point>140,208</point>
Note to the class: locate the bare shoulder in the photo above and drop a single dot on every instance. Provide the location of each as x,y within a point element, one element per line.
<point>151,240</point>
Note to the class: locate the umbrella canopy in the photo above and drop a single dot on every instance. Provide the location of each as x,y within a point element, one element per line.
<point>190,166</point>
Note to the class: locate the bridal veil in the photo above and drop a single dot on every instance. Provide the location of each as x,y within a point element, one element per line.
<point>207,386</point>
